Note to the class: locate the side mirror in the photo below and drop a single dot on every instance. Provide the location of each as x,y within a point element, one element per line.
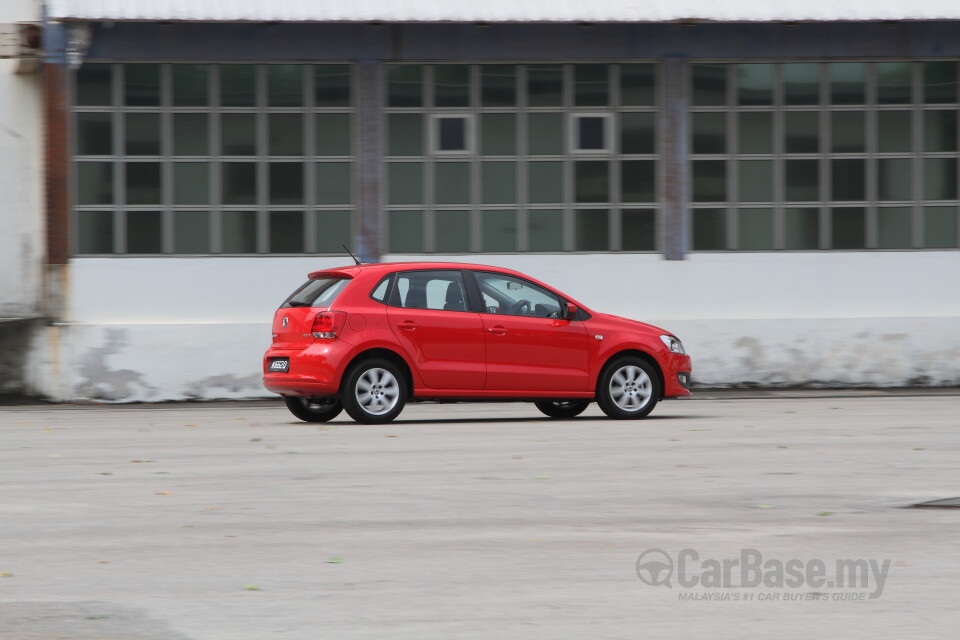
<point>571,311</point>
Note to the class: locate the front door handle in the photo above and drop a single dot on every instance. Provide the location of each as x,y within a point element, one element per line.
<point>497,331</point>
<point>408,325</point>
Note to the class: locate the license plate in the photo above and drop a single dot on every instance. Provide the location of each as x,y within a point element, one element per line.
<point>279,365</point>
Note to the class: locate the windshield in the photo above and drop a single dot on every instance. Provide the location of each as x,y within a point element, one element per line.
<point>316,293</point>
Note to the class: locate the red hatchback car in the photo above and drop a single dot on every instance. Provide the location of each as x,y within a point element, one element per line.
<point>370,338</point>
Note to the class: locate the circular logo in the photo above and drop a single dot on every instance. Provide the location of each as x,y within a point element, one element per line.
<point>654,567</point>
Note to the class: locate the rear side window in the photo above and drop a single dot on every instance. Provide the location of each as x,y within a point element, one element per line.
<point>316,293</point>
<point>438,290</point>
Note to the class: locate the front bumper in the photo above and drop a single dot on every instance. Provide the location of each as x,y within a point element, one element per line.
<point>676,376</point>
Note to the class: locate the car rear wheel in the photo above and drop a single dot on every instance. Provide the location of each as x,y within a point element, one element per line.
<point>562,408</point>
<point>314,409</point>
<point>374,391</point>
<point>629,388</point>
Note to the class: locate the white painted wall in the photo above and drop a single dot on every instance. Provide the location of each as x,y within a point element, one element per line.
<point>176,328</point>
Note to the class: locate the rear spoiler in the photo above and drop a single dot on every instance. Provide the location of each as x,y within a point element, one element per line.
<point>340,272</point>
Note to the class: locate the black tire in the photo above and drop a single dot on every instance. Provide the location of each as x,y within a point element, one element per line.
<point>314,409</point>
<point>374,391</point>
<point>562,408</point>
<point>629,388</point>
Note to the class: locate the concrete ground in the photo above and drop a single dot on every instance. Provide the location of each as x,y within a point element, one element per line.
<point>235,521</point>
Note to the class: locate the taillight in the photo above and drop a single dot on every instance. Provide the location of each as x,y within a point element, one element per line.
<point>328,324</point>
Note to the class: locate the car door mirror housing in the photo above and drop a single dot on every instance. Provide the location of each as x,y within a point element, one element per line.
<point>571,311</point>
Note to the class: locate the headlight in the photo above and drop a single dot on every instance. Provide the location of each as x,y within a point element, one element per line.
<point>673,344</point>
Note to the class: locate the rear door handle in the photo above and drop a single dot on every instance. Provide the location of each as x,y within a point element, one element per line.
<point>497,331</point>
<point>409,325</point>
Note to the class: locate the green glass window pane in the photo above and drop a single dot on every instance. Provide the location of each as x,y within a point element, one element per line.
<point>847,82</point>
<point>94,82</point>
<point>756,132</point>
<point>238,85</point>
<point>334,182</point>
<point>801,229</point>
<point>333,134</point>
<point>285,85</point>
<point>639,227</point>
<point>709,132</point>
<point>498,182</point>
<point>451,182</point>
<point>404,85</point>
<point>638,85</point>
<point>591,230</point>
<point>143,182</point>
<point>638,181</point>
<point>141,86</point>
<point>638,132</point>
<point>331,85</point>
<point>939,178</point>
<point>894,179</point>
<point>755,84</point>
<point>190,85</point>
<point>755,180</point>
<point>286,231</point>
<point>406,231</point>
<point>191,134</point>
<point>143,134</point>
<point>801,132</point>
<point>286,182</point>
<point>498,134</point>
<point>709,229</point>
<point>333,231</point>
<point>285,134</point>
<point>498,85</point>
<point>95,232</point>
<point>94,182</point>
<point>849,228</point>
<point>545,182</point>
<point>405,183</point>
<point>144,232</point>
<point>191,232</point>
<point>191,183</point>
<point>848,178</point>
<point>545,230</point>
<point>847,132</point>
<point>894,228</point>
<point>801,83</point>
<point>238,132</point>
<point>802,180</point>
<point>709,180</point>
<point>94,134</point>
<point>404,134</point>
<point>591,181</point>
<point>940,82</point>
<point>451,85</point>
<point>893,82</point>
<point>239,182</point>
<point>755,229</point>
<point>893,131</point>
<point>940,130</point>
<point>498,231</point>
<point>590,85</point>
<point>239,231</point>
<point>545,131</point>
<point>709,85</point>
<point>940,227</point>
<point>545,85</point>
<point>452,231</point>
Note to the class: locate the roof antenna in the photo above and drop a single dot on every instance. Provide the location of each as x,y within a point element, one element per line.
<point>351,254</point>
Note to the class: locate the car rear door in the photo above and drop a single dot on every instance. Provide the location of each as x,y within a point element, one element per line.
<point>443,339</point>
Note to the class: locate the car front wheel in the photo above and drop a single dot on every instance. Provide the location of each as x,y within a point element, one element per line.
<point>629,388</point>
<point>314,409</point>
<point>374,391</point>
<point>562,408</point>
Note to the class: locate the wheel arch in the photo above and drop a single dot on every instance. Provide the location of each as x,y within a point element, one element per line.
<point>386,354</point>
<point>638,353</point>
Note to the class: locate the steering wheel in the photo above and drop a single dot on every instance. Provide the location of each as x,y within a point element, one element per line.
<point>520,308</point>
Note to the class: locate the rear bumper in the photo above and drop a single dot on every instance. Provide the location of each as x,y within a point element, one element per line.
<point>315,371</point>
<point>676,376</point>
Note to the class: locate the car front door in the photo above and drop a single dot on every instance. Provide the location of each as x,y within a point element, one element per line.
<point>440,335</point>
<point>530,345</point>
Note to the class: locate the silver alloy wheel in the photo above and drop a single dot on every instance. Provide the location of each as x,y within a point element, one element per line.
<point>630,388</point>
<point>377,391</point>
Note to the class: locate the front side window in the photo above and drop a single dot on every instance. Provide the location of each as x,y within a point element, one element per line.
<point>508,295</point>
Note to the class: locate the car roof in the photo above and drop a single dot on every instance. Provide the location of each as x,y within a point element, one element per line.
<point>353,270</point>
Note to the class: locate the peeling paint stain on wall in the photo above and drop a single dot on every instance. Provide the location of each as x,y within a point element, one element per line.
<point>236,384</point>
<point>100,382</point>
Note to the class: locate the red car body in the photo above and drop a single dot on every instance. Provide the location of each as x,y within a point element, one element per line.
<point>480,351</point>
